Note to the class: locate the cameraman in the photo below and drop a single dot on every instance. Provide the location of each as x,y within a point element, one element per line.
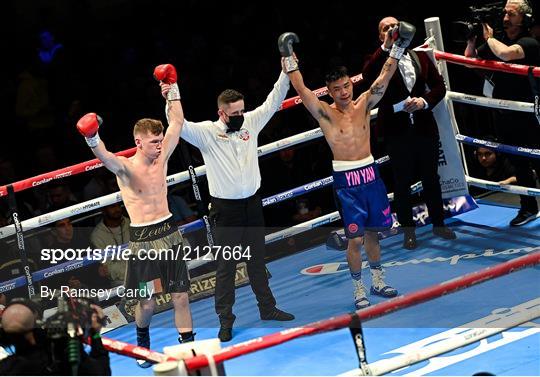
<point>33,354</point>
<point>514,127</point>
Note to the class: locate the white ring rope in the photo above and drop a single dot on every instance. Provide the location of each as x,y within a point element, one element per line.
<point>495,186</point>
<point>466,337</point>
<point>527,107</point>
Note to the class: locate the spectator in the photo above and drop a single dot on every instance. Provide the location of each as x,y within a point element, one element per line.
<point>7,171</point>
<point>101,183</point>
<point>64,236</point>
<point>295,169</point>
<point>112,230</point>
<point>53,59</point>
<point>59,196</point>
<point>45,159</point>
<point>514,127</point>
<point>535,31</point>
<point>7,176</point>
<point>495,167</point>
<point>305,211</point>
<point>411,134</point>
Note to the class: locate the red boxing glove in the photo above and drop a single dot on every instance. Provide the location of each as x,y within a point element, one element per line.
<point>166,73</point>
<point>88,126</point>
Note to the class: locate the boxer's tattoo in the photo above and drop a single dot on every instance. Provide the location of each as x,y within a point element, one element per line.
<point>377,89</point>
<point>386,67</point>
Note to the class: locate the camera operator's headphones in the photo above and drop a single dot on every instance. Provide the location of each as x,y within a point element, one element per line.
<point>9,339</point>
<point>528,19</point>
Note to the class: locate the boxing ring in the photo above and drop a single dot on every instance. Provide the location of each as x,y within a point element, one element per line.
<point>475,299</point>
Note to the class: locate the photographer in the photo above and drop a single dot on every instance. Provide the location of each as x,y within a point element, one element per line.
<point>514,127</point>
<point>39,350</point>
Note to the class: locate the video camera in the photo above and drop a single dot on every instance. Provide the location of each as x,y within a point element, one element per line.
<point>73,318</point>
<point>60,336</point>
<point>66,330</point>
<point>491,14</point>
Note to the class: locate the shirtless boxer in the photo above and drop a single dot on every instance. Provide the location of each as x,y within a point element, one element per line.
<point>360,191</point>
<point>142,182</point>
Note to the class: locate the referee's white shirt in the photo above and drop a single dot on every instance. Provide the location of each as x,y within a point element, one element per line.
<point>232,163</point>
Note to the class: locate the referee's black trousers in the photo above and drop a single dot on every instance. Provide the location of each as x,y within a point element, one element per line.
<point>415,153</point>
<point>239,222</point>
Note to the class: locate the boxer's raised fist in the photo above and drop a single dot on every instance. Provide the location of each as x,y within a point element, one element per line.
<point>88,126</point>
<point>285,45</point>
<point>403,35</point>
<point>166,73</point>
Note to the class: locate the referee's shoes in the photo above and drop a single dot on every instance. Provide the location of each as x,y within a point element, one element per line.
<point>523,217</point>
<point>276,315</point>
<point>225,332</point>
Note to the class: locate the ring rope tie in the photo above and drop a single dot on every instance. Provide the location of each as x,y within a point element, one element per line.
<point>535,87</point>
<point>20,242</point>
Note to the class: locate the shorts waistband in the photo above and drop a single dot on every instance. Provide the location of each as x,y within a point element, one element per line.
<point>338,165</point>
<point>153,231</point>
<point>356,177</point>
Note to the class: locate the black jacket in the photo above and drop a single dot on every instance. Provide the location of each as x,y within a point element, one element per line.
<point>36,361</point>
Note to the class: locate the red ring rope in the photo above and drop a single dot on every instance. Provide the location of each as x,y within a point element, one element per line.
<point>517,69</point>
<point>61,173</point>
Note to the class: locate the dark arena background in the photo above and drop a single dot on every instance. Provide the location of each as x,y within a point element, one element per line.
<point>65,58</point>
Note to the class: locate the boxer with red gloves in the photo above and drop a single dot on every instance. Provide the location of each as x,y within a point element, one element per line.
<point>142,182</point>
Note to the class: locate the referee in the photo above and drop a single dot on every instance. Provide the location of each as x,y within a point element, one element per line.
<point>229,150</point>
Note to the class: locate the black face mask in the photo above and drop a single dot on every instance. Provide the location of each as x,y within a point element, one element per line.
<point>235,122</point>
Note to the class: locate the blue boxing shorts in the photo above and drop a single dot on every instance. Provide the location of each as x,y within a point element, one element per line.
<point>361,197</point>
